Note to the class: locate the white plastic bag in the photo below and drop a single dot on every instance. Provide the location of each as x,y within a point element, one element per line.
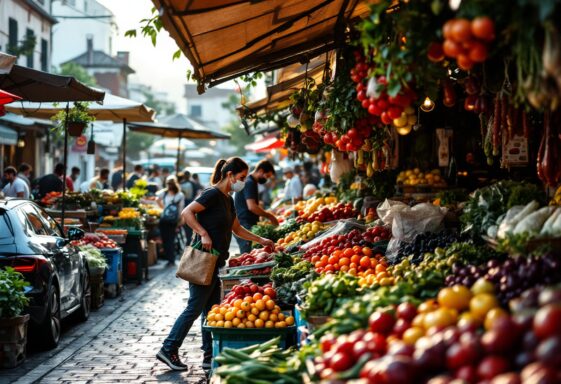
<point>339,166</point>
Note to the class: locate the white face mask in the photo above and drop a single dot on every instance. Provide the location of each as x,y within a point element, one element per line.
<point>237,186</point>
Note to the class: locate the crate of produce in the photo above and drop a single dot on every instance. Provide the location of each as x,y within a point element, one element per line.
<point>239,338</point>
<point>228,282</point>
<point>114,259</point>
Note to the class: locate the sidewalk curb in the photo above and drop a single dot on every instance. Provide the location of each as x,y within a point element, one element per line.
<point>42,370</point>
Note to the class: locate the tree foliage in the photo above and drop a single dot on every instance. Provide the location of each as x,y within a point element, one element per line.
<point>78,72</point>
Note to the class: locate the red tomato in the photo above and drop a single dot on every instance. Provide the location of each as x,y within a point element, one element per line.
<point>483,28</point>
<point>478,52</point>
<point>461,30</point>
<point>435,52</point>
<point>464,62</point>
<point>451,48</point>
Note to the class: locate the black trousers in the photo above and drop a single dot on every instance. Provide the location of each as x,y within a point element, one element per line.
<point>167,232</point>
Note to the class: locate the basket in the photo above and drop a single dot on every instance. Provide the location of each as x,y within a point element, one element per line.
<point>239,338</point>
<point>98,296</point>
<point>226,283</point>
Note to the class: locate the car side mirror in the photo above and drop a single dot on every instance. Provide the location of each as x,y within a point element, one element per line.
<point>75,233</point>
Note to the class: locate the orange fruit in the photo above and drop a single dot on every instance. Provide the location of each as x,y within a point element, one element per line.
<point>289,320</point>
<point>219,317</point>
<point>220,323</point>
<point>255,311</point>
<point>241,325</point>
<point>280,324</point>
<point>457,297</point>
<point>259,323</point>
<point>365,262</point>
<point>229,316</point>
<point>357,250</point>
<point>269,324</point>
<point>223,310</point>
<point>366,251</point>
<point>249,324</point>
<point>245,306</point>
<point>248,299</point>
<point>264,315</point>
<point>348,252</point>
<point>210,317</point>
<point>273,317</point>
<point>281,316</point>
<point>240,314</point>
<point>257,296</point>
<point>344,261</point>
<point>260,305</point>
<point>355,259</point>
<point>332,260</point>
<point>338,253</point>
<point>266,298</point>
<point>236,322</point>
<point>481,304</point>
<point>228,324</point>
<point>251,317</point>
<point>380,268</point>
<point>238,303</point>
<point>270,304</point>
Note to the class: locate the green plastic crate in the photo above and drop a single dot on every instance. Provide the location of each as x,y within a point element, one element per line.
<point>236,338</point>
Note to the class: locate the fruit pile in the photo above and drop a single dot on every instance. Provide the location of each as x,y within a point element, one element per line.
<point>256,311</point>
<point>326,292</point>
<point>50,198</point>
<point>330,244</point>
<point>468,42</point>
<point>129,213</point>
<point>373,96</point>
<point>256,256</point>
<point>511,277</point>
<point>416,177</point>
<point>248,288</point>
<point>355,138</point>
<point>98,240</point>
<point>306,232</point>
<point>333,212</point>
<point>427,242</point>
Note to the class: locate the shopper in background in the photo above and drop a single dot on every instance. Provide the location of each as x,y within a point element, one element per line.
<point>101,181</point>
<point>14,187</point>
<point>309,187</point>
<point>164,174</point>
<point>247,201</point>
<point>24,173</point>
<point>213,218</point>
<point>172,201</point>
<point>117,178</point>
<point>74,175</point>
<point>198,187</point>
<point>154,177</point>
<point>293,185</point>
<point>137,174</point>
<point>52,182</point>
<point>188,189</point>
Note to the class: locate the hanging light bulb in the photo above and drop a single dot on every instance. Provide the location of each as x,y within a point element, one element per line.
<point>405,130</point>
<point>428,105</point>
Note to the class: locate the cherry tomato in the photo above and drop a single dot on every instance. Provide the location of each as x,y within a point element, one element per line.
<point>483,28</point>
<point>461,30</point>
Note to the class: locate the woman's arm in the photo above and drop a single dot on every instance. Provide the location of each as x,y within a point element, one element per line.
<point>188,216</point>
<point>247,235</point>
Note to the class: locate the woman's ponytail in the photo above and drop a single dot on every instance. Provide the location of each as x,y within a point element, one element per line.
<point>222,167</point>
<point>217,173</point>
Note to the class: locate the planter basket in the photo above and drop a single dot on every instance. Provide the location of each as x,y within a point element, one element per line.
<point>97,284</point>
<point>13,339</point>
<point>75,129</point>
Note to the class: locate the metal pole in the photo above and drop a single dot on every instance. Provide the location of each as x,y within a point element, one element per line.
<point>178,156</point>
<point>65,161</point>
<point>124,154</point>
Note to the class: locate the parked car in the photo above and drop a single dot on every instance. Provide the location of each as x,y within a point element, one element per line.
<point>32,243</point>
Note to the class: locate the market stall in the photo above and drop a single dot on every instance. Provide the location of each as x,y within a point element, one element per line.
<point>435,256</point>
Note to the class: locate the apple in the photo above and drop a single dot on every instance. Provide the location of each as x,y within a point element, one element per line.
<point>547,320</point>
<point>381,322</point>
<point>492,366</point>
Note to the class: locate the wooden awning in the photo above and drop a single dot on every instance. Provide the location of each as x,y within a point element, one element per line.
<point>224,39</point>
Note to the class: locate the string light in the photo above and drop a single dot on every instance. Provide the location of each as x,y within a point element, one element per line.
<point>428,105</point>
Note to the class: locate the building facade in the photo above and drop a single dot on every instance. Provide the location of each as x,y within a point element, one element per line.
<point>78,21</point>
<point>208,106</point>
<point>25,31</point>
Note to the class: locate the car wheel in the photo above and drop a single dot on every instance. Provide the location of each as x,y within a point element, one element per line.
<point>86,301</point>
<point>51,324</point>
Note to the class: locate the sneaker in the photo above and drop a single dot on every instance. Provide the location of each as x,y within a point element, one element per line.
<point>171,360</point>
<point>207,362</point>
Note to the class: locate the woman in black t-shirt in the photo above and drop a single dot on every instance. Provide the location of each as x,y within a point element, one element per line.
<point>212,217</point>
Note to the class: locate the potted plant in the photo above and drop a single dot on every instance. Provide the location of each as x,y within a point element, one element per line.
<point>13,325</point>
<point>76,120</point>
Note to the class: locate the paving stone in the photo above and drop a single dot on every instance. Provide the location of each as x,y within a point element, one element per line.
<point>119,342</point>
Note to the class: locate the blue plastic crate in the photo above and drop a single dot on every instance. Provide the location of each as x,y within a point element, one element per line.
<point>114,259</point>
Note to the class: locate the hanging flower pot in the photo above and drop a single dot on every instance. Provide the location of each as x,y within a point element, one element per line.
<point>75,128</point>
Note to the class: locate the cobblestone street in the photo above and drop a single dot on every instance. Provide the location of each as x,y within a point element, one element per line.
<point>119,342</point>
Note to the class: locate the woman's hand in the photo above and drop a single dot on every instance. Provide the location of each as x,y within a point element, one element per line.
<point>206,242</point>
<point>267,243</point>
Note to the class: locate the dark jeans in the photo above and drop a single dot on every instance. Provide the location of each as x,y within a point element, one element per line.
<point>201,300</point>
<point>245,245</point>
<point>167,232</point>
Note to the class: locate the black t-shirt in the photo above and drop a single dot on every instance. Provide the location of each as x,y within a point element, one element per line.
<point>217,219</point>
<point>50,183</point>
<point>250,191</point>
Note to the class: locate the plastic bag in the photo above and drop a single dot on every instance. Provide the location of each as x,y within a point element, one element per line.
<point>408,222</point>
<point>339,166</point>
<point>387,209</point>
